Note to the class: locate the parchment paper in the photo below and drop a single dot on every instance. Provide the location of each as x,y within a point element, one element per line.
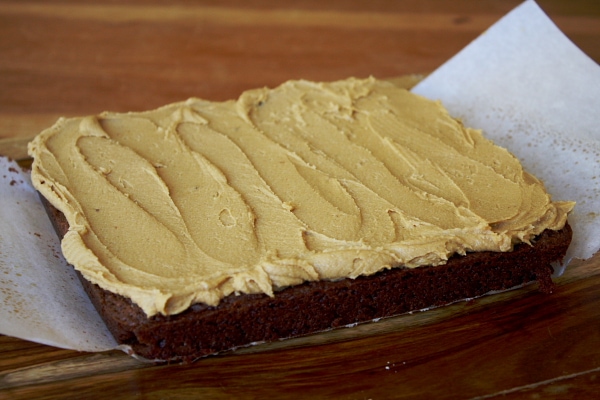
<point>522,81</point>
<point>41,299</point>
<point>534,92</point>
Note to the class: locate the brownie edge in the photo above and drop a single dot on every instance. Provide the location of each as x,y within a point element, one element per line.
<point>318,306</point>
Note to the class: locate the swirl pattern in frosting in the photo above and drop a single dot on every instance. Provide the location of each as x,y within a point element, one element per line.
<point>198,200</point>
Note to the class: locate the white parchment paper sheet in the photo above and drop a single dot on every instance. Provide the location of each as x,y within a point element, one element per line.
<point>532,91</point>
<point>41,298</point>
<point>527,86</point>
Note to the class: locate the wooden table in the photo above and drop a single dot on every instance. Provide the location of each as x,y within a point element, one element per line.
<point>71,58</point>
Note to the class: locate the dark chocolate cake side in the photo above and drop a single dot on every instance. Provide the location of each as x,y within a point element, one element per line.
<point>323,305</point>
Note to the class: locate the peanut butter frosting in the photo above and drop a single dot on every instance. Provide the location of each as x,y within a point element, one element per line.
<point>198,200</point>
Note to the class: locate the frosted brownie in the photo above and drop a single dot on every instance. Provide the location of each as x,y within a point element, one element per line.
<point>203,226</point>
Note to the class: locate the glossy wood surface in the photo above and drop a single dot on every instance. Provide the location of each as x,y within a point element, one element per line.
<point>81,57</point>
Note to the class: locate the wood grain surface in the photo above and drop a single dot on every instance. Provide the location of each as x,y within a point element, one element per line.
<point>64,58</point>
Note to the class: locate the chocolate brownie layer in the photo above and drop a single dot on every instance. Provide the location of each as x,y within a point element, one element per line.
<point>318,306</point>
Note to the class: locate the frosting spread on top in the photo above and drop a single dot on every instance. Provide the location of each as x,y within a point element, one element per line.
<point>197,200</point>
